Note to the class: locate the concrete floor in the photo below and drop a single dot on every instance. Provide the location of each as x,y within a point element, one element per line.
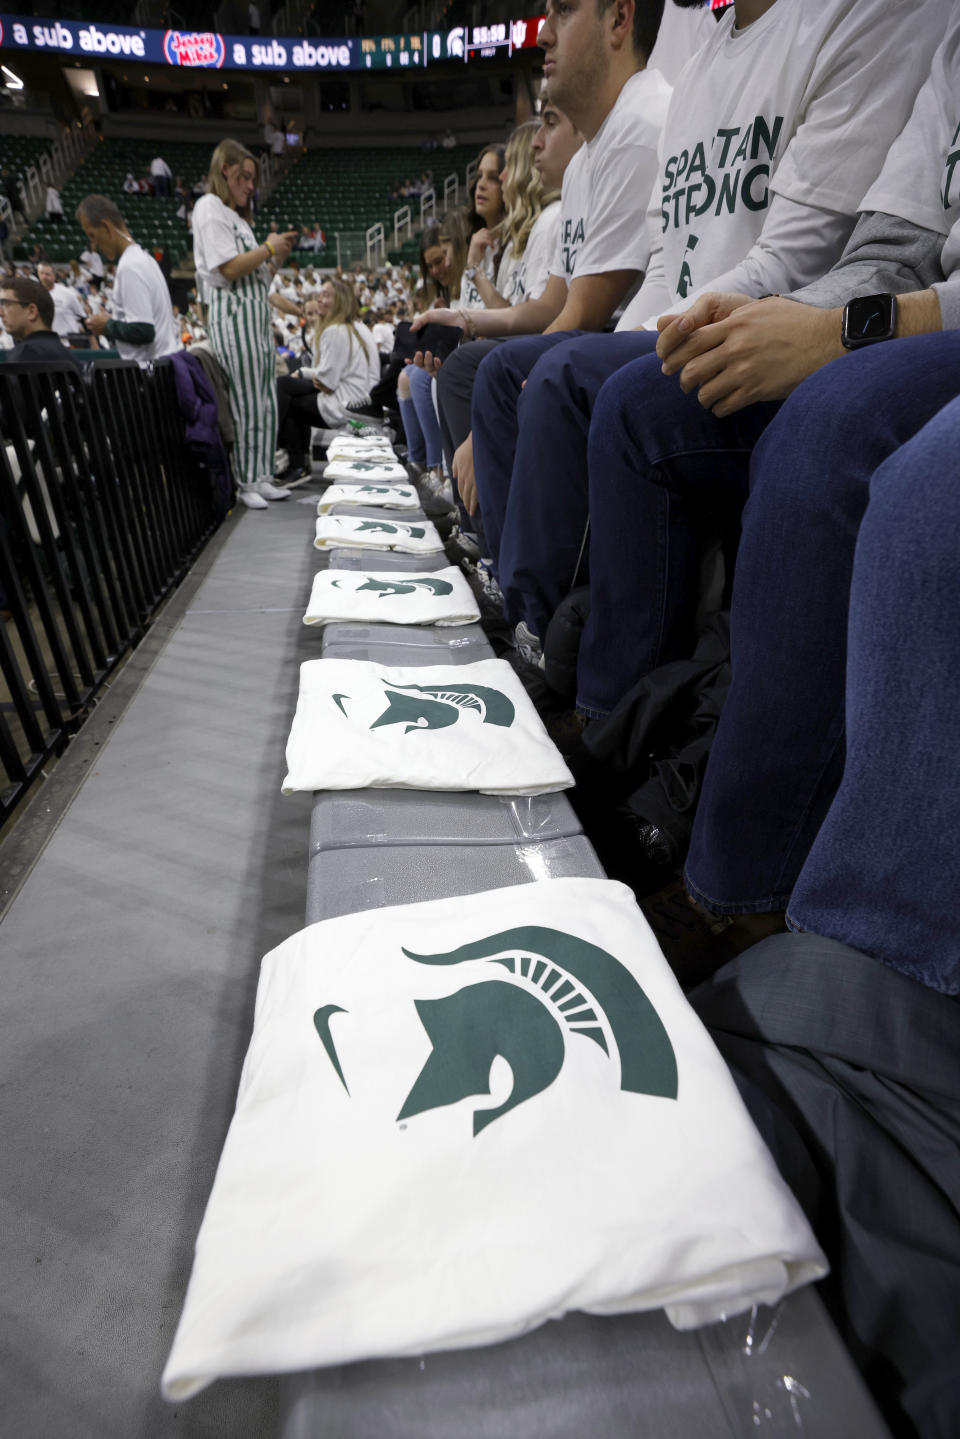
<point>129,966</point>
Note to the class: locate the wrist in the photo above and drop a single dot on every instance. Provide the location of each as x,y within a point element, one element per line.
<point>269,249</point>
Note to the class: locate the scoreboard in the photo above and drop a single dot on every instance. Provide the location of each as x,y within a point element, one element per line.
<point>394,52</point>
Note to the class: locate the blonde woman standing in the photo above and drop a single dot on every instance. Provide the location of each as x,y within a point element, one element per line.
<point>235,273</point>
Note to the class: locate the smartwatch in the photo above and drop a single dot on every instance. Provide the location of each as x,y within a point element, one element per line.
<point>868,320</point>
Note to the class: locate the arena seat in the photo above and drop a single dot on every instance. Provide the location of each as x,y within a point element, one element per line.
<point>629,1376</point>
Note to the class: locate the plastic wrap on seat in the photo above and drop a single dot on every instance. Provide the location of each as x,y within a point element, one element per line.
<point>439,643</point>
<point>371,512</point>
<point>350,557</point>
<point>344,881</point>
<point>370,818</point>
<point>779,1374</point>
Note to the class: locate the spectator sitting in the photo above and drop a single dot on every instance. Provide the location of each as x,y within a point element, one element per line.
<point>831,794</point>
<point>142,326</point>
<point>795,235</point>
<point>28,312</point>
<point>735,361</point>
<point>93,262</point>
<point>537,158</point>
<point>414,385</point>
<point>70,310</point>
<point>54,205</point>
<point>345,368</point>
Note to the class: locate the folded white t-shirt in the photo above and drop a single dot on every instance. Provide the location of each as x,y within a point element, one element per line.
<point>366,470</point>
<point>356,447</point>
<point>460,1118</point>
<point>383,497</point>
<point>441,598</point>
<point>410,539</point>
<point>361,725</point>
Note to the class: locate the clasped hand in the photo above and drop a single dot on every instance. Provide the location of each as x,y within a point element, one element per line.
<point>737,351</point>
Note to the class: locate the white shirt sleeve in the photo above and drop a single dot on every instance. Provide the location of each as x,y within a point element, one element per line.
<point>213,232</point>
<point>844,135</point>
<point>137,299</point>
<point>617,239</point>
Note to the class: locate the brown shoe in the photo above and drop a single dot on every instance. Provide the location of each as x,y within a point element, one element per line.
<point>695,942</point>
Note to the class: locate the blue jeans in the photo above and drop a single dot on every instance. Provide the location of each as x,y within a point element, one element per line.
<point>420,423</point>
<point>663,475</point>
<point>833,788</point>
<point>530,459</point>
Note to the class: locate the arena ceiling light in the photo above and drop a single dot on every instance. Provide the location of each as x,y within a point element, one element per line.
<point>12,82</point>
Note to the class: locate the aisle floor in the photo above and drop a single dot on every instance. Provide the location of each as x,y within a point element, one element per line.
<point>130,960</point>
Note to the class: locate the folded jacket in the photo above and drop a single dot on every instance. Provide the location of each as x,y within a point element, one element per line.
<point>440,598</point>
<point>366,470</point>
<point>334,530</point>
<point>384,497</point>
<point>460,1118</point>
<point>443,727</point>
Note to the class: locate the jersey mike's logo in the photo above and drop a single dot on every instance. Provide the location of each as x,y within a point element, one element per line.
<point>432,707</point>
<point>552,991</point>
<point>384,589</point>
<point>203,49</point>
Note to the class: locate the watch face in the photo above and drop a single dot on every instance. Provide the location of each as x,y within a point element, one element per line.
<point>870,318</point>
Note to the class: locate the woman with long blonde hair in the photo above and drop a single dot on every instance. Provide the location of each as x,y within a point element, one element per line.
<point>345,367</point>
<point>234,273</point>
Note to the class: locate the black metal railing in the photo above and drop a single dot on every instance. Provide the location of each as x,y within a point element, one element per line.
<point>102,509</point>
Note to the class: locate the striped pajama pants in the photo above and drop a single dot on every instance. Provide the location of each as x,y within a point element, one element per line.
<point>241,338</point>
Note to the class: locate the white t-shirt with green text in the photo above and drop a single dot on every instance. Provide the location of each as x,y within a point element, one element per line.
<point>920,181</point>
<point>803,104</point>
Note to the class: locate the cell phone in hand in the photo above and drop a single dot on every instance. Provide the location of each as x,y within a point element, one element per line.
<point>440,340</point>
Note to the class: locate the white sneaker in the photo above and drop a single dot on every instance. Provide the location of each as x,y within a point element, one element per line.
<point>250,498</point>
<point>270,491</point>
<point>528,645</point>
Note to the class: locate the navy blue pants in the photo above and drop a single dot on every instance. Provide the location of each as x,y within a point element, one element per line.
<point>833,788</point>
<point>530,458</point>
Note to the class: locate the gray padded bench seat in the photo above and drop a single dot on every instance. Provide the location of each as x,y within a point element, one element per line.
<point>783,1375</point>
<point>407,644</point>
<point>363,819</point>
<point>364,512</point>
<point>780,1373</point>
<point>344,881</point>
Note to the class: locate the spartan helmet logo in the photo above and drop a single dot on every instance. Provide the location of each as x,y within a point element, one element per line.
<point>385,588</point>
<point>371,489</point>
<point>382,527</point>
<point>560,990</point>
<point>364,466</point>
<point>436,707</point>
